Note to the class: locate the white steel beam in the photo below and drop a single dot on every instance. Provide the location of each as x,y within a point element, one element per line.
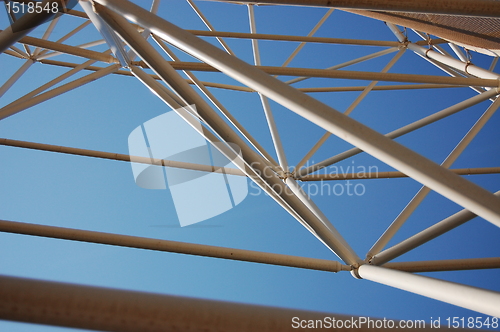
<point>221,128</point>
<point>473,298</point>
<point>465,67</point>
<point>391,175</point>
<point>450,185</point>
<point>114,43</point>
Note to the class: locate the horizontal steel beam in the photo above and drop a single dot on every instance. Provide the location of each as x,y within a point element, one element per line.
<point>376,88</point>
<point>128,73</point>
<point>118,156</point>
<point>390,175</point>
<point>483,8</point>
<point>446,265</point>
<point>343,74</point>
<point>306,39</point>
<point>170,246</point>
<point>105,309</point>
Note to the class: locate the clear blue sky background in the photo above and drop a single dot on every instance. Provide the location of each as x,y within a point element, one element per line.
<point>93,194</point>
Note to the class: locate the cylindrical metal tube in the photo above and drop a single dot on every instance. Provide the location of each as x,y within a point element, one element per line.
<point>473,298</point>
<point>424,236</point>
<point>169,246</point>
<point>259,164</point>
<point>452,186</point>
<point>446,265</point>
<point>105,309</point>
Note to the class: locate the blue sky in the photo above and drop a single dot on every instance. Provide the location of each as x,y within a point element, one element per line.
<point>87,193</point>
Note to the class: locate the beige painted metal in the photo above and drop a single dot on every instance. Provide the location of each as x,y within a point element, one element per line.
<point>351,107</point>
<point>259,164</point>
<point>170,246</point>
<point>68,49</point>
<point>202,87</point>
<point>405,129</point>
<point>450,185</point>
<point>344,74</point>
<point>106,309</point>
<point>390,175</point>
<point>484,8</point>
<point>14,108</point>
<point>424,236</point>
<point>23,26</point>
<point>55,81</point>
<point>424,191</point>
<point>304,39</point>
<point>119,157</point>
<point>446,265</point>
<point>127,73</point>
<point>473,298</point>
<point>232,171</point>
<point>247,89</point>
<point>376,88</point>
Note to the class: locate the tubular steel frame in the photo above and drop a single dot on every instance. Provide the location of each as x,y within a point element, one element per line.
<point>123,23</point>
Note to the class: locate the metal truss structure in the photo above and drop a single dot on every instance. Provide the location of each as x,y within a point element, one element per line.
<point>141,44</point>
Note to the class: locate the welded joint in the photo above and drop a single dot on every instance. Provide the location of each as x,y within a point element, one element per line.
<point>403,45</point>
<point>285,175</point>
<point>355,273</point>
<point>467,66</point>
